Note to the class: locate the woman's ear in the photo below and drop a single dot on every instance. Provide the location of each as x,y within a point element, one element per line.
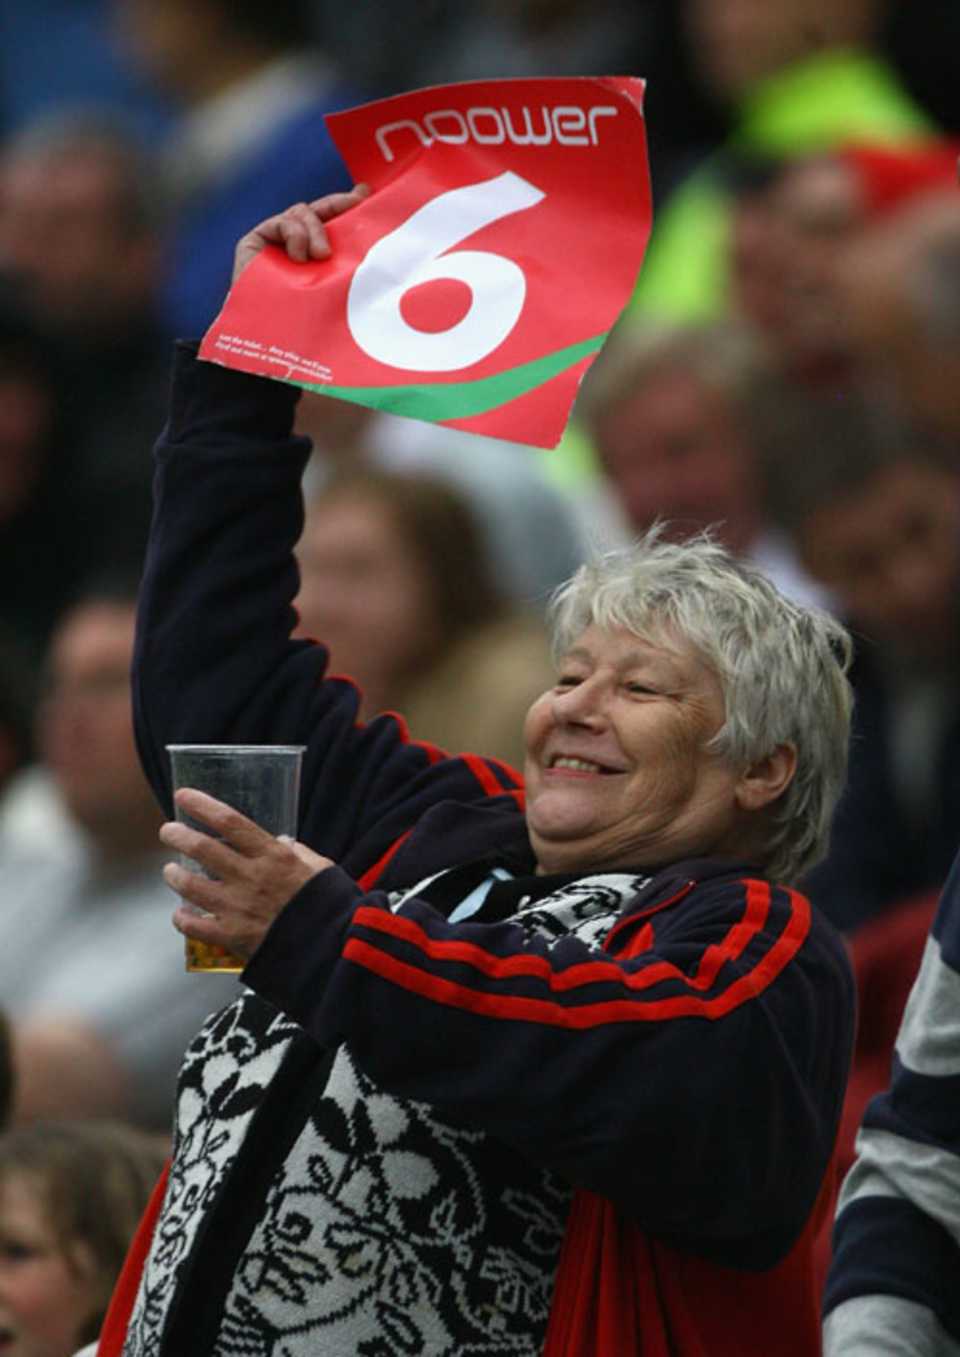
<point>767,779</point>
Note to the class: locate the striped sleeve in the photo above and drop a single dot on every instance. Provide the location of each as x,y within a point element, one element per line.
<point>693,1076</point>
<point>570,985</point>
<point>894,1284</point>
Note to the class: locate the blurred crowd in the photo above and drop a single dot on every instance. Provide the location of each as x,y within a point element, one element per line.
<point>787,373</point>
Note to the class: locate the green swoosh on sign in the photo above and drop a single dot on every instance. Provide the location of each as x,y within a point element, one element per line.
<point>437,401</point>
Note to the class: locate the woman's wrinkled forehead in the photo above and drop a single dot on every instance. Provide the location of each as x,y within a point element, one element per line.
<point>657,640</point>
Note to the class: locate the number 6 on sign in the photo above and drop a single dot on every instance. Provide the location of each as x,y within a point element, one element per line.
<point>443,298</point>
<point>413,253</point>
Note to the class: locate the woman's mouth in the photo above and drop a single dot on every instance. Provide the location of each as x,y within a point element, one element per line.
<point>577,765</point>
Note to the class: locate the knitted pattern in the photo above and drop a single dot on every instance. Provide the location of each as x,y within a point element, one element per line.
<point>386,1229</point>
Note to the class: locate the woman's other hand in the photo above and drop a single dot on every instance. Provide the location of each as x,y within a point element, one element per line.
<point>252,874</point>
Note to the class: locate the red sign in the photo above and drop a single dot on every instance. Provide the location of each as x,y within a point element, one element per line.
<point>476,284</point>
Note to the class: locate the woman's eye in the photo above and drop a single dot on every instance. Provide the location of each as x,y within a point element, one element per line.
<point>568,680</point>
<point>640,688</point>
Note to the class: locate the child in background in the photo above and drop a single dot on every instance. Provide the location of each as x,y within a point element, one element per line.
<point>71,1195</point>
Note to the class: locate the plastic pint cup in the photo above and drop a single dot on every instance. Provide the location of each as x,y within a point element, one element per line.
<point>262,781</point>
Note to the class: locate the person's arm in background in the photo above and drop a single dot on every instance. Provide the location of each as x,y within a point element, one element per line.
<point>894,1284</point>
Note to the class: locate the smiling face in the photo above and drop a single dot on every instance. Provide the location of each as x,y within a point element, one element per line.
<point>618,772</point>
<point>46,1298</point>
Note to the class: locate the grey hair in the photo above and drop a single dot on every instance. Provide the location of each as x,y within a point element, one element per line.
<point>782,667</point>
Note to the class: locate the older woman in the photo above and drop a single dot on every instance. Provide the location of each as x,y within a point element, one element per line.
<point>559,1074</point>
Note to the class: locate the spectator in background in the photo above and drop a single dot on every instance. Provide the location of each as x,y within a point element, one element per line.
<point>89,295</point>
<point>396,577</point>
<point>798,76</point>
<point>71,1194</point>
<point>874,510</point>
<point>793,230</point>
<point>665,407</point>
<point>901,290</point>
<point>755,255</point>
<point>535,527</point>
<point>83,163</point>
<point>892,1284</point>
<point>253,88</point>
<point>892,1287</point>
<point>91,976</point>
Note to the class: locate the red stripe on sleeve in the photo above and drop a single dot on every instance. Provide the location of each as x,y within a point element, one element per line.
<point>641,940</point>
<point>502,968</point>
<point>520,1008</point>
<point>787,945</point>
<point>433,752</point>
<point>739,936</point>
<point>480,770</point>
<point>584,1015</point>
<point>483,774</point>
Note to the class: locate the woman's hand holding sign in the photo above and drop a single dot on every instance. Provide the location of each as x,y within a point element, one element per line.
<point>299,229</point>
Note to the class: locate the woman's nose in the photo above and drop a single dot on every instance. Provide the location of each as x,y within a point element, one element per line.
<point>579,705</point>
